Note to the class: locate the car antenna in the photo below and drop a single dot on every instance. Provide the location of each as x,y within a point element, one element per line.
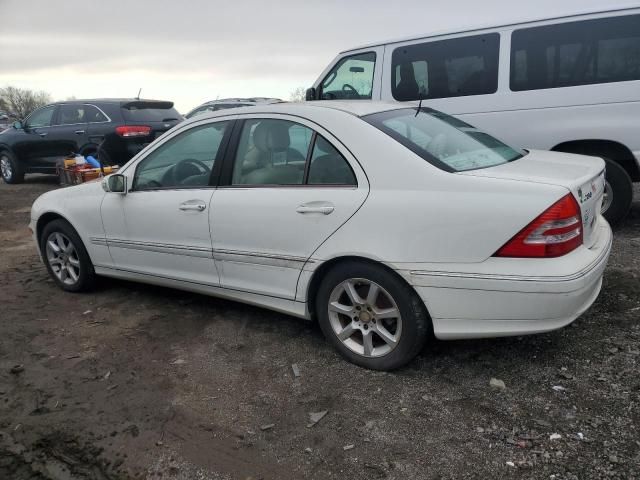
<point>419,106</point>
<point>139,92</point>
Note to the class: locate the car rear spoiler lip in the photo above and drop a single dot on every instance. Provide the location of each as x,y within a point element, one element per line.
<point>138,104</point>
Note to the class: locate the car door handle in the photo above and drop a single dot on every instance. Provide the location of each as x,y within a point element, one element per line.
<point>313,207</point>
<point>196,205</point>
<point>43,134</point>
<point>79,132</point>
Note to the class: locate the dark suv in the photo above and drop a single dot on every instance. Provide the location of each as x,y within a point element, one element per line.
<point>113,130</point>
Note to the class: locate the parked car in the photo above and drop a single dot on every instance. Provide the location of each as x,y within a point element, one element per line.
<point>385,224</point>
<point>215,105</point>
<point>569,84</point>
<point>112,129</point>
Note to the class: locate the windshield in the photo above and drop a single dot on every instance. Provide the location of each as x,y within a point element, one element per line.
<point>442,140</point>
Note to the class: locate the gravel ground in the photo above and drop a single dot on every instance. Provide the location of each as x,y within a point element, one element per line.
<point>133,381</point>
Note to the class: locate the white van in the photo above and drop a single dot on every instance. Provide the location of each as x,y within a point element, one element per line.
<point>570,84</point>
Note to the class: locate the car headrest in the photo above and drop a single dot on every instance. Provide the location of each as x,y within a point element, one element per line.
<point>271,136</point>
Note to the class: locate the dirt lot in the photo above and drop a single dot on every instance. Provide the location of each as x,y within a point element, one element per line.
<point>133,381</point>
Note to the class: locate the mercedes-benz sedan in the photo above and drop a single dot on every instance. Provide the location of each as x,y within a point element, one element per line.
<point>384,223</point>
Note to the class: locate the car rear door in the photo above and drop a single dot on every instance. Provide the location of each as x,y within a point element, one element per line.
<point>286,186</point>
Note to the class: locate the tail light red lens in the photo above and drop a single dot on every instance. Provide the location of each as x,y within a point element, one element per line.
<point>133,130</point>
<point>556,232</point>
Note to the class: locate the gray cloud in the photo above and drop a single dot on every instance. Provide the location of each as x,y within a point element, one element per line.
<point>248,39</point>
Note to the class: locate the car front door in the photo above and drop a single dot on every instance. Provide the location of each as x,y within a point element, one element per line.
<point>36,146</point>
<point>160,227</point>
<point>286,186</point>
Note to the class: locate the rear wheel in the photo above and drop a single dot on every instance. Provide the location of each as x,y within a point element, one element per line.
<point>10,169</point>
<point>65,257</point>
<point>371,316</point>
<point>618,193</point>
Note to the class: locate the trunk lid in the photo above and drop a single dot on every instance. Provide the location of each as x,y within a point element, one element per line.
<point>583,176</point>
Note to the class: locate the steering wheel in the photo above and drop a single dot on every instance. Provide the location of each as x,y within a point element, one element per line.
<point>187,168</point>
<point>350,91</point>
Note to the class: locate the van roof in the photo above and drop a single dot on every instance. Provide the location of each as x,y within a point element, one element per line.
<point>485,27</point>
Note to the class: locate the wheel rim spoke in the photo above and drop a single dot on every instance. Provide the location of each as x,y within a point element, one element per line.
<point>350,290</point>
<point>372,295</point>
<point>387,313</point>
<point>383,333</point>
<point>367,343</point>
<point>53,246</point>
<point>340,308</point>
<point>74,261</point>
<point>346,332</point>
<point>72,273</point>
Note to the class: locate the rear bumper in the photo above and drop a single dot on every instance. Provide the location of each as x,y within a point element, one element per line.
<point>482,304</point>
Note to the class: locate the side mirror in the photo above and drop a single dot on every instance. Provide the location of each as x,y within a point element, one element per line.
<point>17,125</point>
<point>115,183</point>
<point>310,94</point>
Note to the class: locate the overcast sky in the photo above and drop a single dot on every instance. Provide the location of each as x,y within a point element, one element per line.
<point>190,51</point>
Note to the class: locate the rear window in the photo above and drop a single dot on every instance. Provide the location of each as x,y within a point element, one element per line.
<point>135,114</point>
<point>444,141</point>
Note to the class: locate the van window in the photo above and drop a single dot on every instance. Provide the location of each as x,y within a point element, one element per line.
<point>576,53</point>
<point>351,78</point>
<point>446,68</point>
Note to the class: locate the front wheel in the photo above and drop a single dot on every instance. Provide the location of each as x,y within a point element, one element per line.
<point>65,257</point>
<point>371,316</point>
<point>618,192</point>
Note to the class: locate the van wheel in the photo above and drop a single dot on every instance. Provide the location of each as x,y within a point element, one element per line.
<point>370,316</point>
<point>10,169</point>
<point>618,193</point>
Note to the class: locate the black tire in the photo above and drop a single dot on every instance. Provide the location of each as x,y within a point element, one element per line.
<point>84,271</point>
<point>416,324</point>
<point>622,189</point>
<point>12,171</point>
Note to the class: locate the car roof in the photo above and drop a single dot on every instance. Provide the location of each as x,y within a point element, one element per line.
<point>477,28</point>
<point>258,100</point>
<point>356,108</point>
<point>106,100</point>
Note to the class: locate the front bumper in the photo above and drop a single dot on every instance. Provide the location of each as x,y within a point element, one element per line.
<point>493,303</point>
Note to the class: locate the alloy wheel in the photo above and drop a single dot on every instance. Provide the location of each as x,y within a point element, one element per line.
<point>5,167</point>
<point>365,317</point>
<point>63,258</point>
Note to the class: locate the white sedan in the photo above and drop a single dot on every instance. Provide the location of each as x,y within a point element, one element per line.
<point>384,223</point>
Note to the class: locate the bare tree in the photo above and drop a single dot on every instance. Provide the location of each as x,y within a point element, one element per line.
<point>19,102</point>
<point>298,95</point>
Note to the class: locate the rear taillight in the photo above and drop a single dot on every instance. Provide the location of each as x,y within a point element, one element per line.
<point>557,231</point>
<point>133,130</point>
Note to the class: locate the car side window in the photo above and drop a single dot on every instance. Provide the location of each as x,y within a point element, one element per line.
<point>328,166</point>
<point>351,77</point>
<point>94,115</point>
<point>271,152</point>
<point>41,117</point>
<point>446,68</point>
<point>71,115</point>
<point>185,161</point>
